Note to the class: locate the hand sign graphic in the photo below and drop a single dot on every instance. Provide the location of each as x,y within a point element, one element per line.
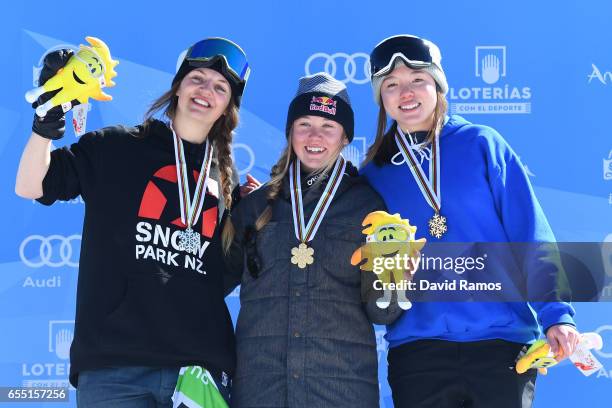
<point>490,69</point>
<point>63,339</point>
<point>352,154</point>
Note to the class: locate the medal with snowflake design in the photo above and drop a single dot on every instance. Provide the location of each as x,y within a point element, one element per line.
<point>437,226</point>
<point>189,241</point>
<point>302,255</point>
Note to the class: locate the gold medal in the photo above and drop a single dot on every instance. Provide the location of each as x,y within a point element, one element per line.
<point>302,255</point>
<point>437,226</point>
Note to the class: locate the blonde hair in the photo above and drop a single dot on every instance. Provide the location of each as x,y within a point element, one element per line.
<point>381,128</point>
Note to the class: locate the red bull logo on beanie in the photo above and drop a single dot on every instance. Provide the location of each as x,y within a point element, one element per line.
<point>323,104</point>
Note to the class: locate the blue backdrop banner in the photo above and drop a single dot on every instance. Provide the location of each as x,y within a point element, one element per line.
<point>538,72</point>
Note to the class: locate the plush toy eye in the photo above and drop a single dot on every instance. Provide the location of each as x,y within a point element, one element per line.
<point>391,233</point>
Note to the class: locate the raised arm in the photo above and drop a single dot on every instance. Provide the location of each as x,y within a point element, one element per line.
<point>36,156</point>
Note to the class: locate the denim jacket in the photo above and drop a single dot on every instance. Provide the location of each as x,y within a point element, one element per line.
<point>304,336</point>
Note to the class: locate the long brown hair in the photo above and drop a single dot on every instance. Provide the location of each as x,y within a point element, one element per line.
<point>220,135</point>
<point>381,127</point>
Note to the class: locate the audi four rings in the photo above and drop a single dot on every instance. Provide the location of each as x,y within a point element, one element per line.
<point>54,251</point>
<point>249,152</point>
<point>352,69</point>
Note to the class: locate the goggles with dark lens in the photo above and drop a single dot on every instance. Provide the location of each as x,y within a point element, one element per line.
<point>415,51</point>
<point>211,48</point>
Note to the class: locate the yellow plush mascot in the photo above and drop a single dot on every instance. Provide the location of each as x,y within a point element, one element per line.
<point>387,236</point>
<point>83,77</point>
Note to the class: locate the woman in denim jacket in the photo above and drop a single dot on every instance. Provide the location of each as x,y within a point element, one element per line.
<point>304,332</point>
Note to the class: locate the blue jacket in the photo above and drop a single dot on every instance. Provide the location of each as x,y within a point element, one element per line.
<point>486,197</point>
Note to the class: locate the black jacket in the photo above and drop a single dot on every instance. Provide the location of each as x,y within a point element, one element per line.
<point>140,300</point>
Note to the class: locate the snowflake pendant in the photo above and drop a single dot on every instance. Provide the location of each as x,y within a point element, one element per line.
<point>437,226</point>
<point>302,255</point>
<point>189,241</point>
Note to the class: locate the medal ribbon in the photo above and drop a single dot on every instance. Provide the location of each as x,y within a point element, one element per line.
<point>429,186</point>
<point>191,208</point>
<point>305,233</point>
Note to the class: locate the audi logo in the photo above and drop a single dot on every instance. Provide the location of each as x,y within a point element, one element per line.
<point>54,251</point>
<point>354,68</point>
<point>600,330</point>
<point>251,159</point>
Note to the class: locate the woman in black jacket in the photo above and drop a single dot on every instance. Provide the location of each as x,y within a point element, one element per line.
<point>150,290</point>
<point>304,332</point>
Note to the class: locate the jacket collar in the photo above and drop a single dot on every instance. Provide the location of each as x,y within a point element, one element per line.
<point>313,194</point>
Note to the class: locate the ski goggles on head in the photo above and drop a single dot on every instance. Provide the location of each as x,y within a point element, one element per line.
<point>210,49</point>
<point>415,51</point>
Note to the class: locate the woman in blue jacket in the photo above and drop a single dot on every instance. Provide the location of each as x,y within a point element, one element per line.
<point>462,183</point>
